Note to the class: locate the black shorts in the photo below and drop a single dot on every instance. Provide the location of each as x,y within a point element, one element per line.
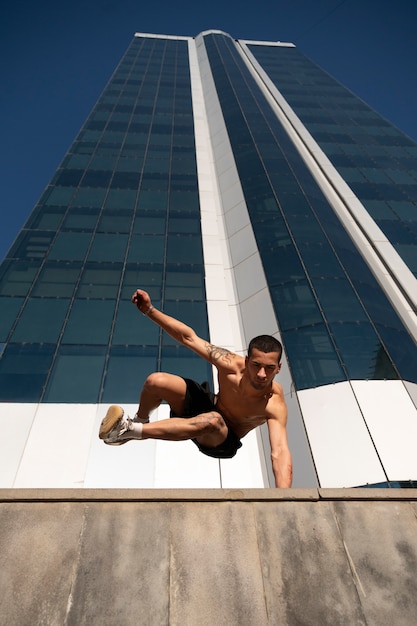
<point>199,399</point>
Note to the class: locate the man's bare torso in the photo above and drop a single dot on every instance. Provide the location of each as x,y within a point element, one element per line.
<point>242,407</point>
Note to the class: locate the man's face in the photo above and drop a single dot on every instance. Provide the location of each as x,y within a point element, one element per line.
<point>261,368</point>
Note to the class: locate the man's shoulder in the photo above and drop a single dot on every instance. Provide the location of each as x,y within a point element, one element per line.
<point>276,406</point>
<point>224,359</point>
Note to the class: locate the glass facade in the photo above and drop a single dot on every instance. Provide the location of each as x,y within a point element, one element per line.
<point>336,323</point>
<point>121,212</point>
<point>376,159</point>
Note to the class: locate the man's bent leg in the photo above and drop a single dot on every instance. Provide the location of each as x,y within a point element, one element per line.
<point>159,387</point>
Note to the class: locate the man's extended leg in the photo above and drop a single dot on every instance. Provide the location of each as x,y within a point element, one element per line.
<point>209,429</point>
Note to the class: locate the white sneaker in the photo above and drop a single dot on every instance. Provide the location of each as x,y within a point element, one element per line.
<point>115,427</point>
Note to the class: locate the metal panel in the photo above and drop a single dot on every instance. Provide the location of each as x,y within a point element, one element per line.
<point>342,449</point>
<point>392,421</point>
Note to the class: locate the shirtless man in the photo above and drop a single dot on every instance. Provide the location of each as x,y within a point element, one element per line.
<point>248,397</point>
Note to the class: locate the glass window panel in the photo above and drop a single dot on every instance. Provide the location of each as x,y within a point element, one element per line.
<point>401,177</point>
<point>23,372</point>
<point>78,161</point>
<point>59,196</point>
<point>184,166</point>
<point>404,210</point>
<point>147,277</point>
<point>150,225</point>
<point>89,322</point>
<point>100,282</point>
<point>82,219</point>
<point>70,246</point>
<point>77,375</point>
<point>17,277</point>
<point>377,304</point>
<point>184,224</point>
<point>282,265</point>
<point>127,370</point>
<point>103,162</point>
<point>305,228</point>
<point>125,180</point>
<point>110,135</point>
<point>362,352</point>
<point>184,249</point>
<point>338,300</point>
<point>83,147</point>
<point>320,261</point>
<point>402,350</point>
<point>68,178</point>
<point>132,328</point>
<point>57,280</point>
<point>108,247</point>
<point>9,308</point>
<point>380,210</point>
<point>96,178</point>
<point>147,249</point>
<point>313,359</point>
<point>184,285</point>
<point>397,232</point>
<point>31,245</point>
<point>115,221</point>
<point>409,255</point>
<point>121,199</point>
<point>90,135</point>
<point>48,219</point>
<point>155,182</point>
<point>159,166</point>
<point>153,200</point>
<point>41,321</point>
<point>126,164</point>
<point>295,305</point>
<point>89,197</point>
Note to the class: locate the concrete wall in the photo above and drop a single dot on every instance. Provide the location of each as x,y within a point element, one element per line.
<point>208,557</point>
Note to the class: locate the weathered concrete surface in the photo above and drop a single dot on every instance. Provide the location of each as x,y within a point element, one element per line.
<point>208,557</point>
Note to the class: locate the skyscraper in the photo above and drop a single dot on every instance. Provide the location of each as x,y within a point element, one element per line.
<point>248,192</point>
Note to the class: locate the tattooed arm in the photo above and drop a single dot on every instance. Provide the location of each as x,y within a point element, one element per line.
<point>181,332</point>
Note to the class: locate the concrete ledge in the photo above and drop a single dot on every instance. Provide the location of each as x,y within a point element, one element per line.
<point>204,495</point>
<point>183,557</point>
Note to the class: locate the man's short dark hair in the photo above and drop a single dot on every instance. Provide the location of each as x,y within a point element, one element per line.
<point>265,343</point>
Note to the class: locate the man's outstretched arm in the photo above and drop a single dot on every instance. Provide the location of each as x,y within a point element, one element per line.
<point>179,331</point>
<point>280,453</point>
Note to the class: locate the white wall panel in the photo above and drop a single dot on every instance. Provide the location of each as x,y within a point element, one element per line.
<point>236,218</point>
<point>412,390</point>
<point>249,277</point>
<point>242,245</point>
<point>245,469</point>
<point>57,448</point>
<point>258,314</point>
<point>15,423</point>
<point>343,451</point>
<point>392,420</point>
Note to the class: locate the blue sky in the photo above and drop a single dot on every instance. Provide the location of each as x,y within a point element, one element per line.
<point>56,57</point>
